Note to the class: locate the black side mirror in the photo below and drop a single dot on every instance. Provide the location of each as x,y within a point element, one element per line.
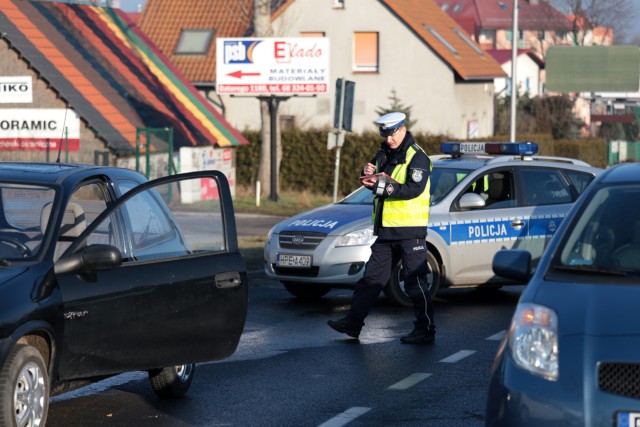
<point>91,258</point>
<point>514,264</point>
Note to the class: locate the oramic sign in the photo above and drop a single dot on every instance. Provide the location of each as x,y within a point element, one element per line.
<point>39,129</point>
<point>16,90</point>
<point>272,65</point>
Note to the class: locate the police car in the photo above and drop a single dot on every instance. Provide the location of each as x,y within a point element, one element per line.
<point>484,197</point>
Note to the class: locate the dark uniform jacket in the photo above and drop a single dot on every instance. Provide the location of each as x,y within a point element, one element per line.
<point>387,159</point>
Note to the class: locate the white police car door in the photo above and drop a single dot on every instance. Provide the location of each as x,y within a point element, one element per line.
<point>516,214</point>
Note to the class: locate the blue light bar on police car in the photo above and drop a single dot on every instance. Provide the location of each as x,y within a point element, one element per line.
<point>508,148</point>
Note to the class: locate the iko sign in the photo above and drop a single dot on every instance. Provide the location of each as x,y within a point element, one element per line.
<point>16,90</point>
<point>39,129</point>
<point>266,66</point>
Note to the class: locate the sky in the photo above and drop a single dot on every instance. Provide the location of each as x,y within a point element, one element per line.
<point>132,6</point>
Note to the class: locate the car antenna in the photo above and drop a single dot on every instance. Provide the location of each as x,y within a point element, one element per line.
<point>64,122</point>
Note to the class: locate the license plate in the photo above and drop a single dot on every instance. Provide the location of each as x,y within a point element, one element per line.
<point>628,419</point>
<point>298,261</point>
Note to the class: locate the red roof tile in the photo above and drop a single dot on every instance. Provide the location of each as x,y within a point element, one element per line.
<point>161,20</point>
<point>109,74</point>
<point>446,38</point>
<point>498,14</point>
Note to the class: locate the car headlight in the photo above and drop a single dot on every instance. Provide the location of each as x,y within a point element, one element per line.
<point>533,340</point>
<point>269,235</point>
<point>362,237</point>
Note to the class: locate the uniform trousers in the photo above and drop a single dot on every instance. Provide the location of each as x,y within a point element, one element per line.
<point>385,255</point>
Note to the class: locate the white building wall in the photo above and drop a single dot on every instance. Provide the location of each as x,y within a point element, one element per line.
<point>527,69</point>
<point>420,79</point>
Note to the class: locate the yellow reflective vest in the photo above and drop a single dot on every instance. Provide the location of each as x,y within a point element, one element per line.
<point>405,213</point>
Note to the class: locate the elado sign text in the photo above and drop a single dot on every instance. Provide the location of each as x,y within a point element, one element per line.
<point>272,65</point>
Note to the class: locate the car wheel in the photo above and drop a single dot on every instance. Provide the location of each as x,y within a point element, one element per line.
<point>172,382</point>
<point>306,290</point>
<point>24,388</point>
<point>394,291</point>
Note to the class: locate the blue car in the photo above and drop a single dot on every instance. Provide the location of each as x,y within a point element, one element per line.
<point>571,356</point>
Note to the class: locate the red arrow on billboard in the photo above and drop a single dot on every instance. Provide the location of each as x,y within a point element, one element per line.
<point>239,74</point>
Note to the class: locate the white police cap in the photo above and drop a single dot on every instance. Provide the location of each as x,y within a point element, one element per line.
<point>390,122</point>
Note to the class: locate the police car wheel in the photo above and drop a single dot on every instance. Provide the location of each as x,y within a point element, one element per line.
<point>394,291</point>
<point>306,290</point>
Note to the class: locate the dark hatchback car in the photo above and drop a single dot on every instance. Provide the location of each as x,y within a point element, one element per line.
<point>102,272</point>
<point>572,354</point>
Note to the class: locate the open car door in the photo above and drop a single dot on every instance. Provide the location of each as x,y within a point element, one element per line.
<point>156,280</point>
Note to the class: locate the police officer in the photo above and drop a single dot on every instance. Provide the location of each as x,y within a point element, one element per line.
<point>400,214</point>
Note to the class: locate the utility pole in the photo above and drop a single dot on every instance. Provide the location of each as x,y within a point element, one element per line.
<point>514,69</point>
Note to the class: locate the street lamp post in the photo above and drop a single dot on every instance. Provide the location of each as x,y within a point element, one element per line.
<point>514,84</point>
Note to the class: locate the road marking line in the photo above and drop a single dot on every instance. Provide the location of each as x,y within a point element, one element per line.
<point>456,357</point>
<point>410,381</point>
<point>497,337</point>
<point>345,417</point>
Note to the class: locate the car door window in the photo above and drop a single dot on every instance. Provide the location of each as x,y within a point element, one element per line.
<point>86,203</point>
<point>580,180</point>
<point>496,188</point>
<point>544,187</point>
<point>167,221</point>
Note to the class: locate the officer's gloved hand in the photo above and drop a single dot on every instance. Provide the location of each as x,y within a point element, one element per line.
<point>384,188</point>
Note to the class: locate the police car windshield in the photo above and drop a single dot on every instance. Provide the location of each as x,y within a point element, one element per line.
<point>443,180</point>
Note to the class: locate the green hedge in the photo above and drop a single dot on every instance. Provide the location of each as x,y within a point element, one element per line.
<point>307,164</point>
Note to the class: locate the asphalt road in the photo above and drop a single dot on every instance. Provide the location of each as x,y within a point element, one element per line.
<point>249,224</point>
<point>291,369</point>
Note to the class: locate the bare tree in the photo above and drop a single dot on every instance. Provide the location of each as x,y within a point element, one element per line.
<point>263,28</point>
<point>586,15</point>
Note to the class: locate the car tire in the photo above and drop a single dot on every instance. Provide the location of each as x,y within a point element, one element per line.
<point>172,382</point>
<point>394,291</point>
<point>24,388</point>
<point>306,290</point>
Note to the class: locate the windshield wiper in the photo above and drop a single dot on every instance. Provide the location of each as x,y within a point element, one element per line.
<point>590,269</point>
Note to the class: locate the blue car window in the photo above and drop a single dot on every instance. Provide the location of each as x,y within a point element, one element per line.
<point>607,234</point>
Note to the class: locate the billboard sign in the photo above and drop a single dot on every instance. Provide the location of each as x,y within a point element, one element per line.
<point>272,66</point>
<point>39,129</point>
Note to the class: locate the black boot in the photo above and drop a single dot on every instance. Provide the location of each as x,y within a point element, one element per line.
<point>345,326</point>
<point>419,336</point>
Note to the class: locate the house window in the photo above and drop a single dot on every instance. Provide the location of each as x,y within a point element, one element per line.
<point>503,6</point>
<point>509,35</point>
<point>312,34</point>
<point>194,42</point>
<point>365,52</point>
<point>457,8</point>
